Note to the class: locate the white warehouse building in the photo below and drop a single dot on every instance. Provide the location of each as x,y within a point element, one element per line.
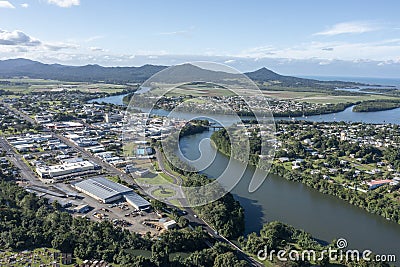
<point>107,191</point>
<point>64,169</point>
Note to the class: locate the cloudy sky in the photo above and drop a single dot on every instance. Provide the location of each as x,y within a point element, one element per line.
<point>338,38</point>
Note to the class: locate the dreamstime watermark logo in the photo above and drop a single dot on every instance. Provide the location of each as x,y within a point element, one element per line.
<point>338,254</point>
<point>159,113</point>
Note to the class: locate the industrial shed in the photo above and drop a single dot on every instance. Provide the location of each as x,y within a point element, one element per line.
<point>102,189</point>
<point>137,201</point>
<point>107,191</point>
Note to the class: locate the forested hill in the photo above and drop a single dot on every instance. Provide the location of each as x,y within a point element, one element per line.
<point>266,75</point>
<point>94,73</point>
<point>89,73</point>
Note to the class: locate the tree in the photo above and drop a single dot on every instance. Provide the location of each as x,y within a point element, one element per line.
<point>183,222</point>
<point>228,259</point>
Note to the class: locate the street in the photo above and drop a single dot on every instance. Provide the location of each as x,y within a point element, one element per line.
<point>191,216</point>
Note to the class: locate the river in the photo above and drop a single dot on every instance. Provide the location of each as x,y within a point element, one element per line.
<point>324,216</point>
<point>387,116</point>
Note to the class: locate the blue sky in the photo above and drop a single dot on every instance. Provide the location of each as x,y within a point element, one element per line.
<point>351,38</point>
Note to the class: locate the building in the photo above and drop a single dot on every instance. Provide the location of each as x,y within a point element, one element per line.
<point>343,136</point>
<point>107,191</point>
<point>137,201</point>
<point>142,172</point>
<point>145,151</point>
<point>169,225</point>
<point>102,189</point>
<point>82,208</point>
<point>49,172</point>
<point>111,118</point>
<point>375,184</point>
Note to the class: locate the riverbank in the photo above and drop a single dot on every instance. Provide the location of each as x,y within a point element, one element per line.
<point>376,105</point>
<point>329,172</point>
<point>323,215</point>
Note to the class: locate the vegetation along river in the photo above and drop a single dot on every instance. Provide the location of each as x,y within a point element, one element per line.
<point>324,216</point>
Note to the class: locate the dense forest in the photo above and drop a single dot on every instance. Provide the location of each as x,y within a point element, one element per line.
<point>276,236</point>
<point>194,127</point>
<point>376,105</point>
<point>225,214</point>
<point>95,73</point>
<point>28,222</point>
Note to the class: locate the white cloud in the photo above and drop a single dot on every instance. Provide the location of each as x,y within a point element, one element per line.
<point>93,38</point>
<point>60,46</point>
<point>326,62</point>
<point>64,3</point>
<point>17,38</point>
<point>20,42</point>
<point>96,49</point>
<point>382,50</point>
<point>25,5</point>
<point>6,4</point>
<point>348,27</point>
<point>183,33</point>
<point>229,61</point>
<point>174,33</point>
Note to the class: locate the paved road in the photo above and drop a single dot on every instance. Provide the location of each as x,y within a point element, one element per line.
<point>98,161</point>
<point>86,154</point>
<point>212,232</point>
<point>191,216</point>
<point>176,179</point>
<point>21,114</point>
<point>18,162</point>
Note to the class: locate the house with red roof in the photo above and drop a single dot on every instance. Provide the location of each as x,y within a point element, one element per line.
<point>377,183</point>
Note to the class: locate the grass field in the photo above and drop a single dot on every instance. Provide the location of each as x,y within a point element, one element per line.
<point>284,94</point>
<point>163,193</point>
<point>196,92</point>
<point>155,179</point>
<point>321,98</point>
<point>40,85</point>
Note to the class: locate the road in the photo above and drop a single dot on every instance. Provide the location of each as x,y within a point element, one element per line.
<point>86,154</point>
<point>18,162</point>
<point>191,216</point>
<point>176,179</point>
<point>21,114</point>
<point>98,161</point>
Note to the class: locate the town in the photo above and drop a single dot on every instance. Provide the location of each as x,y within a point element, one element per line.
<point>74,156</point>
<point>356,162</point>
<point>359,156</point>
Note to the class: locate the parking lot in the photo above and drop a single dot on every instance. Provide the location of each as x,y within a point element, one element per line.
<point>120,214</point>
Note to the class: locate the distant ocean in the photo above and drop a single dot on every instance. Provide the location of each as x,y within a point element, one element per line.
<point>373,81</point>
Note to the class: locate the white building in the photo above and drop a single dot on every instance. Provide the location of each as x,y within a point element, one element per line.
<point>170,225</point>
<point>48,172</point>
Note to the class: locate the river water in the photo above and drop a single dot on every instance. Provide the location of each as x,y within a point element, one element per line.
<point>324,216</point>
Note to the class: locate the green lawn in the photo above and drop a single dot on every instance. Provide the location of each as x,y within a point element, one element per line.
<point>158,179</point>
<point>164,193</point>
<point>321,98</point>
<point>40,85</point>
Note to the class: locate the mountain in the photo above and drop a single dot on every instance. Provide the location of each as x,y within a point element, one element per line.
<point>187,73</point>
<point>266,75</point>
<point>94,73</point>
<point>89,73</point>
